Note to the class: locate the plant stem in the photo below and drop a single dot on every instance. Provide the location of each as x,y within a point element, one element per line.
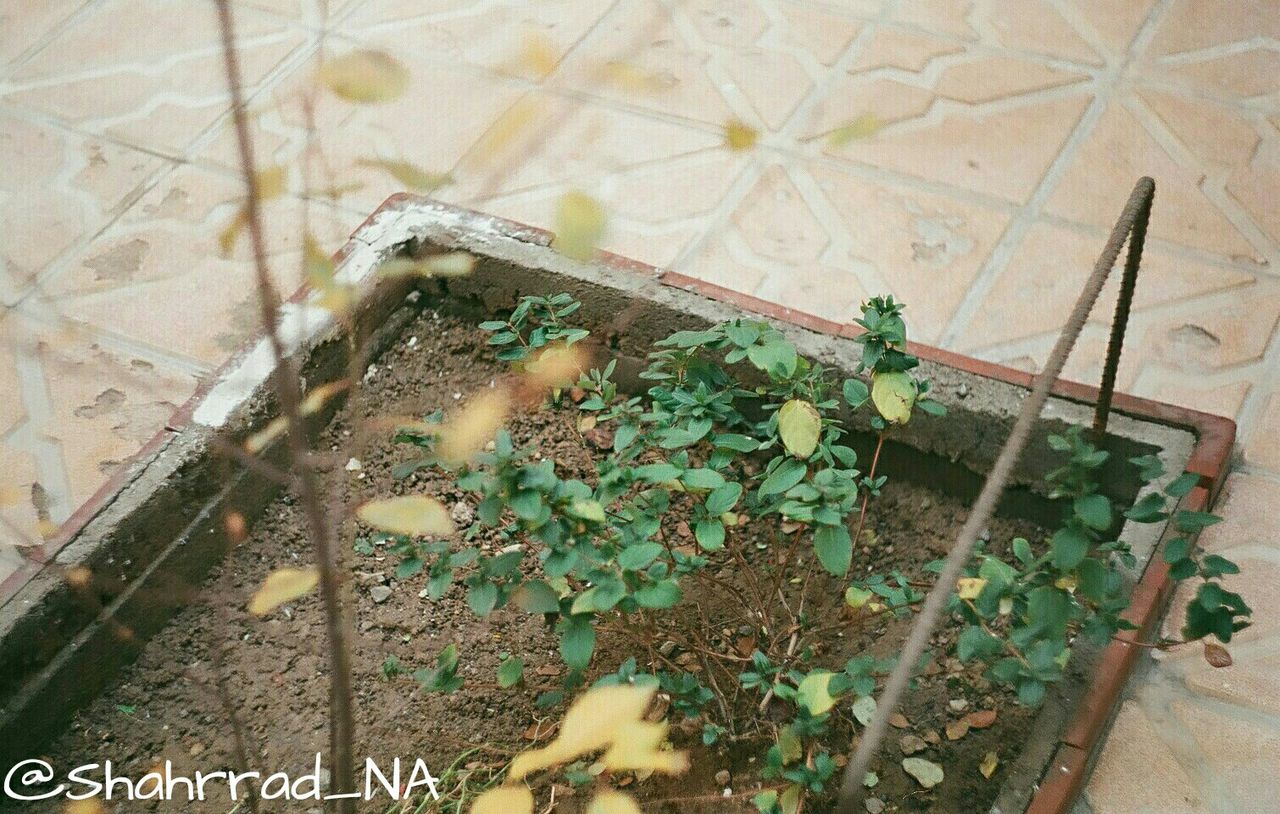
<point>342,719</point>
<point>866,495</point>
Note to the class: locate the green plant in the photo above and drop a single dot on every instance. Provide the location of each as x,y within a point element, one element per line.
<point>748,440</point>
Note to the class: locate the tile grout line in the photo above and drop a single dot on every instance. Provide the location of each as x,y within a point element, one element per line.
<point>1014,234</point>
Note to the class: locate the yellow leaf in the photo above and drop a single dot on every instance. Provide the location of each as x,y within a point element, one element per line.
<point>970,587</point>
<point>507,128</point>
<point>557,365</point>
<point>626,76</point>
<point>789,745</point>
<point>864,126</point>
<point>413,515</point>
<point>592,723</point>
<point>464,434</point>
<point>313,403</point>
<point>317,265</point>
<point>270,182</point>
<point>365,76</point>
<point>231,233</point>
<point>1066,583</point>
<point>539,55</point>
<point>613,802</point>
<point>740,136</point>
<point>799,425</point>
<point>281,586</point>
<point>637,746</point>
<point>411,175</point>
<point>504,800</point>
<point>580,224</point>
<point>450,264</point>
<point>789,802</point>
<point>988,765</point>
<point>894,394</point>
<point>813,693</point>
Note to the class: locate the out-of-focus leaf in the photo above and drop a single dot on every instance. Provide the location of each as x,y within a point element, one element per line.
<point>465,433</point>
<point>504,800</point>
<point>605,717</point>
<point>313,403</point>
<point>740,136</point>
<point>580,222</point>
<point>613,802</point>
<point>864,126</point>
<point>281,586</point>
<point>449,264</point>
<point>365,76</point>
<point>538,56</point>
<point>411,175</point>
<point>412,515</point>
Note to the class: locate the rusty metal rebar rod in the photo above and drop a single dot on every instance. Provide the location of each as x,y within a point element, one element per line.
<point>1136,213</point>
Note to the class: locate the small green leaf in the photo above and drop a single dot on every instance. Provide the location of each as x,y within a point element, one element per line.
<point>1094,511</point>
<point>482,598</point>
<point>536,596</point>
<point>723,498</point>
<point>660,595</point>
<point>787,474</point>
<point>856,392</point>
<point>1069,546</point>
<point>638,556</point>
<point>1182,485</point>
<point>834,548</point>
<point>577,642</point>
<point>710,534</point>
<point>510,672</point>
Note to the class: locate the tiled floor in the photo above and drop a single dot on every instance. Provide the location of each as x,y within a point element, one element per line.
<point>1013,133</point>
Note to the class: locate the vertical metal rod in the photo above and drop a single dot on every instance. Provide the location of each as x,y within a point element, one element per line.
<point>851,789</point>
<point>1133,259</point>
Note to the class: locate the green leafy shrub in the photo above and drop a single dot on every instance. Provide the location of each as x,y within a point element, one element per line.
<point>737,430</point>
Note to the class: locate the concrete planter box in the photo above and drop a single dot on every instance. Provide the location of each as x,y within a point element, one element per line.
<point>159,523</point>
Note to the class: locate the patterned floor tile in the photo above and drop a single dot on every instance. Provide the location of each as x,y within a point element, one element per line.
<point>159,276</point>
<point>148,72</point>
<point>64,189</point>
<point>27,25</point>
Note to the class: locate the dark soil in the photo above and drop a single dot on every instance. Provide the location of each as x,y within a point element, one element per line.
<point>165,706</point>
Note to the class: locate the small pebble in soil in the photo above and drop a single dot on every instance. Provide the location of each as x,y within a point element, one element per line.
<point>910,744</point>
<point>958,704</point>
<point>380,593</point>
<point>353,465</point>
<point>722,777</point>
<point>874,805</point>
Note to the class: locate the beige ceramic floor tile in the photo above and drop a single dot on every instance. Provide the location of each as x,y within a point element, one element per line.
<point>1240,753</point>
<point>1033,26</point>
<point>958,141</point>
<point>1262,446</point>
<point>22,525</point>
<point>159,277</point>
<point>1138,773</point>
<point>148,72</point>
<point>1192,25</point>
<point>1033,295</point>
<point>522,39</point>
<point>653,209</point>
<point>65,187</point>
<point>1116,153</point>
<point>27,24</point>
<point>107,404</point>
<point>925,249</point>
<point>349,136</point>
